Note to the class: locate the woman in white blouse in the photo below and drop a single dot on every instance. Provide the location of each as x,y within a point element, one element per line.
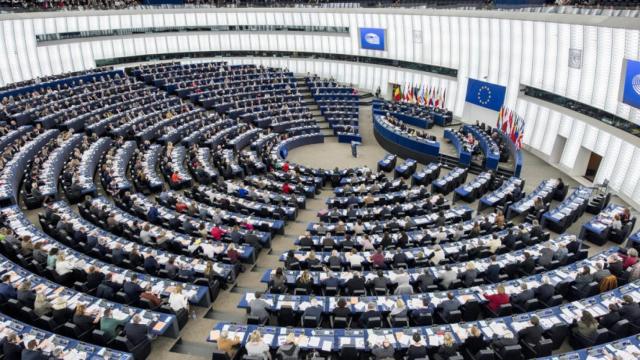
<point>177,300</point>
<point>256,347</point>
<point>63,266</point>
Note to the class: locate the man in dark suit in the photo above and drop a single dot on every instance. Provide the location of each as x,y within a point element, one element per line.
<point>523,296</point>
<point>313,311</point>
<point>426,308</point>
<point>7,291</point>
<point>136,333</point>
<point>132,288</point>
<point>449,305</point>
<point>492,272</point>
<point>151,265</point>
<point>630,310</point>
<point>356,283</point>
<point>306,241</point>
<point>399,258</point>
<point>533,333</point>
<point>370,313</point>
<point>546,255</point>
<point>545,291</point>
<point>117,254</point>
<point>94,277</point>
<point>509,239</point>
<point>527,265</point>
<point>608,320</point>
<point>379,282</point>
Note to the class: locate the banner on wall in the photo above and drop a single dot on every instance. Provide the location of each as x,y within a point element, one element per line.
<point>485,94</point>
<point>372,39</point>
<point>631,87</point>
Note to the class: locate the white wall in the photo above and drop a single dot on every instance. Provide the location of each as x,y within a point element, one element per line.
<point>530,49</point>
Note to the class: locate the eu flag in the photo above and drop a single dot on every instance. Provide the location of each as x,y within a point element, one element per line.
<point>488,95</point>
<point>631,92</point>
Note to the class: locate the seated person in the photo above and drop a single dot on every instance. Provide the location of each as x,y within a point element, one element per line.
<point>474,341</point>
<point>545,291</point>
<point>83,320</point>
<point>449,305</point>
<point>341,310</point>
<point>417,349</point>
<point>258,308</point>
<point>611,318</point>
<point>314,310</point>
<point>498,299</point>
<point>448,348</point>
<point>499,343</point>
<point>630,310</point>
<point>533,333</point>
<point>523,296</point>
<point>586,327</point>
<point>304,281</point>
<point>371,312</point>
<point>379,282</point>
<point>229,346</point>
<point>135,331</point>
<point>583,279</point>
<point>384,351</point>
<point>289,350</point>
<point>355,284</point>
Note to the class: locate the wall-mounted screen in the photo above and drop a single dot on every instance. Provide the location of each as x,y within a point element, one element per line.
<point>372,39</point>
<point>631,87</point>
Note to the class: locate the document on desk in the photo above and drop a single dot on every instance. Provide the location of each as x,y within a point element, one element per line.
<point>314,341</point>
<point>435,340</point>
<point>268,338</point>
<point>327,345</point>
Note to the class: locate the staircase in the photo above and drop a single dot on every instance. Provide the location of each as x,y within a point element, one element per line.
<point>314,109</point>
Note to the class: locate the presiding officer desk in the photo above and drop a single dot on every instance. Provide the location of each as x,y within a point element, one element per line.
<point>394,140</point>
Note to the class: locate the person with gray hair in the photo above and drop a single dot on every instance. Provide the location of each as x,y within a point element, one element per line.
<point>371,312</point>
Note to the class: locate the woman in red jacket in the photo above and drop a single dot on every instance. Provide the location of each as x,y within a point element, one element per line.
<point>630,259</point>
<point>498,299</point>
<point>286,188</point>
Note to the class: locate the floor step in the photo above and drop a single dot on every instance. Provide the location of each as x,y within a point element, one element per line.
<point>192,348</point>
<point>327,132</point>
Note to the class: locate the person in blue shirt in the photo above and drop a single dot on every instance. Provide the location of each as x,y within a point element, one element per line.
<point>7,291</point>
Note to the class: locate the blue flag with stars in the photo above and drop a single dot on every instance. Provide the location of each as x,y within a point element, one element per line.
<point>485,94</point>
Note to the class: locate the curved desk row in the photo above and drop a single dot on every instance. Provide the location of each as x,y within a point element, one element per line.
<point>297,141</point>
<point>402,144</point>
<point>464,156</point>
<point>491,157</point>
<point>405,118</point>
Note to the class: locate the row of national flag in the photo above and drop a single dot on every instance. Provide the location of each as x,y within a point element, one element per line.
<point>512,125</point>
<point>420,94</point>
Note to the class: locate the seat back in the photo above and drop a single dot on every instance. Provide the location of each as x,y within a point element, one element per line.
<point>423,319</point>
<point>348,352</point>
<point>621,329</point>
<point>544,347</point>
<point>471,310</point>
<point>219,355</point>
<point>286,317</point>
<point>512,352</point>
<point>454,316</point>
<point>505,310</point>
<point>374,322</point>
<point>309,321</point>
